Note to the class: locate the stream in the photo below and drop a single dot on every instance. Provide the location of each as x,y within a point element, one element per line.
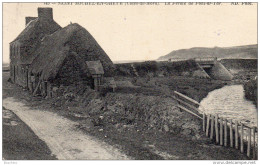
<point>229,102</point>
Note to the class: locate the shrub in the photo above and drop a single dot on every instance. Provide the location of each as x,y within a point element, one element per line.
<point>250,88</point>
<point>146,67</point>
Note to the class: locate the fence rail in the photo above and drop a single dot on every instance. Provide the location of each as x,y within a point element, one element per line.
<point>187,104</point>
<point>224,132</point>
<point>206,59</point>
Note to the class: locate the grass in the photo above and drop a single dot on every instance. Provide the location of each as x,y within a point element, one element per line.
<point>20,142</point>
<point>138,144</point>
<point>155,68</point>
<point>135,139</point>
<point>245,64</point>
<point>195,88</point>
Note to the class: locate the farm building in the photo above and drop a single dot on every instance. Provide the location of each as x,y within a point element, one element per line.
<point>66,57</point>
<point>23,47</point>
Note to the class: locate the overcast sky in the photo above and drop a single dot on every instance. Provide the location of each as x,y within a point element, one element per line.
<point>142,32</point>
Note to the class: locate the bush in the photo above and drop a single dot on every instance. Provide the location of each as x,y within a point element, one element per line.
<point>146,67</point>
<point>250,88</point>
<point>154,68</point>
<point>184,66</point>
<point>124,70</point>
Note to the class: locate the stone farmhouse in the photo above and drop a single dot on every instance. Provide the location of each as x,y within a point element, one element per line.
<point>45,55</point>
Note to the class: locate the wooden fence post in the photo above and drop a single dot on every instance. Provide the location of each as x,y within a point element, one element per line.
<point>249,142</point>
<point>236,134</point>
<point>216,129</point>
<point>254,148</point>
<point>221,131</point>
<point>49,90</point>
<point>231,133</point>
<point>207,129</point>
<point>204,118</point>
<point>225,132</point>
<point>241,139</point>
<point>178,102</point>
<point>212,127</point>
<point>35,91</point>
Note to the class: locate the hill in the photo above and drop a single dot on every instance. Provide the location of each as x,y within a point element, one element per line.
<point>237,52</point>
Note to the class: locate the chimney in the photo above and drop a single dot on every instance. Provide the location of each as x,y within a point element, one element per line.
<point>28,19</point>
<point>45,13</point>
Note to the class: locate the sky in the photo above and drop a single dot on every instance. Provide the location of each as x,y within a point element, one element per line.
<point>145,32</point>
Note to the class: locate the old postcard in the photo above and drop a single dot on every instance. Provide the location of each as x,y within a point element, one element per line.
<point>129,81</point>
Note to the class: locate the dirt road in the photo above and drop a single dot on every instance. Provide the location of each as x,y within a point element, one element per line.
<point>61,135</point>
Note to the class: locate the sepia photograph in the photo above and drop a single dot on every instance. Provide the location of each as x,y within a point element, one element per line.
<point>130,81</point>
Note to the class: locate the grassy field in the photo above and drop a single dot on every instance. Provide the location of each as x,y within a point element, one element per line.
<point>155,68</point>
<point>135,138</point>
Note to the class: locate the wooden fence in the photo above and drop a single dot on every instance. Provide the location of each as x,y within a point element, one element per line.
<point>187,104</point>
<point>228,133</point>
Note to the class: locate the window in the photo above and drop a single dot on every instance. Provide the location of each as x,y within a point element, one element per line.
<point>11,52</point>
<point>16,50</point>
<point>13,47</point>
<point>99,83</point>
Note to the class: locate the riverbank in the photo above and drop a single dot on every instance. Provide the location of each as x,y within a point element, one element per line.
<point>250,88</point>
<point>123,119</point>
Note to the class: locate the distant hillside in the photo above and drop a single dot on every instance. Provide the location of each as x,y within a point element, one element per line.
<point>238,52</point>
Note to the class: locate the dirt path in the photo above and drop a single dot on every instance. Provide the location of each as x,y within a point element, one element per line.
<point>61,136</point>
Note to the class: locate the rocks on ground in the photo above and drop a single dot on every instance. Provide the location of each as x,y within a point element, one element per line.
<point>123,111</point>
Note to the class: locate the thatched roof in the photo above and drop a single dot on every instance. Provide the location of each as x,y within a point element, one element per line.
<point>70,40</point>
<point>95,67</point>
<point>31,36</point>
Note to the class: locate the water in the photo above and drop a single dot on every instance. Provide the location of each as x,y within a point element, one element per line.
<point>229,102</point>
